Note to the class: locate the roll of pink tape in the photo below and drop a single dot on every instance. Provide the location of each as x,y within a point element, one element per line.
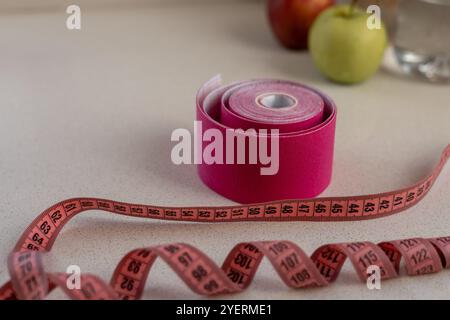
<point>306,120</point>
<point>268,104</point>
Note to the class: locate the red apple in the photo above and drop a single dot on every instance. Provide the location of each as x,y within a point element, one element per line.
<point>291,19</point>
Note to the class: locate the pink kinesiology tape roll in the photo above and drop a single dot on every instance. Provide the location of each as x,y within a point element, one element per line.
<point>305,119</point>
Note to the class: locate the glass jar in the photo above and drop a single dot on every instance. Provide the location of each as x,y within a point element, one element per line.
<point>422,41</point>
<point>419,32</point>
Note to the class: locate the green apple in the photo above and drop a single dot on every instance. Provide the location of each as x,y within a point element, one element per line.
<point>343,47</point>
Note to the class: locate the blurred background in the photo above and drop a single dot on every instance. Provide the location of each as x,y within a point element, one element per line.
<point>418,29</point>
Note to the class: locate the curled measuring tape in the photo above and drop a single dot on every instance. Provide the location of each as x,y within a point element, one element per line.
<point>204,277</point>
<point>30,281</point>
<point>306,120</point>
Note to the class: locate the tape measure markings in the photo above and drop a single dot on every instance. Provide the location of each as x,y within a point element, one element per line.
<point>202,275</point>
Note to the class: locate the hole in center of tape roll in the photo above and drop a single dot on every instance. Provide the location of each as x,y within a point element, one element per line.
<point>276,101</point>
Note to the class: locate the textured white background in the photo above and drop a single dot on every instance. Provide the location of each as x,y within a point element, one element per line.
<point>90,113</point>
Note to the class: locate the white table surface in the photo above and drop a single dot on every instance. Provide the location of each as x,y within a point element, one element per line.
<point>90,113</point>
